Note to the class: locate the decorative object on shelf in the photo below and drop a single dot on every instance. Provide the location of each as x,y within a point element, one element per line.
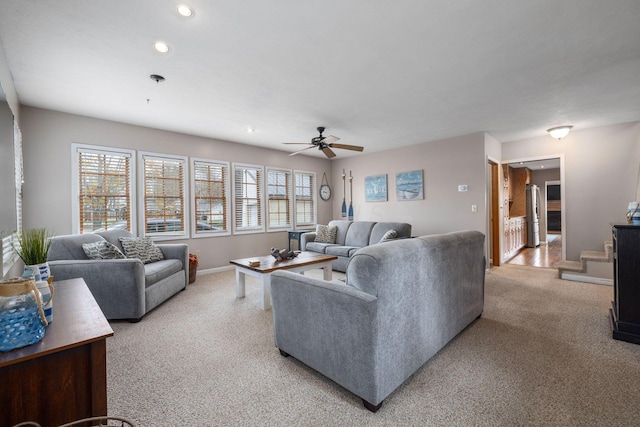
<point>22,320</point>
<point>325,190</point>
<point>344,194</point>
<point>350,215</point>
<point>633,213</point>
<point>375,188</point>
<point>409,185</point>
<point>282,254</point>
<point>193,266</point>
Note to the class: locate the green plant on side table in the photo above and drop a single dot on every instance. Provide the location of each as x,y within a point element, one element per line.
<point>32,247</point>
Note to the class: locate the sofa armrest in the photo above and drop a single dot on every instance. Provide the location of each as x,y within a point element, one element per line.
<point>118,285</point>
<point>307,238</point>
<point>329,326</point>
<point>178,251</point>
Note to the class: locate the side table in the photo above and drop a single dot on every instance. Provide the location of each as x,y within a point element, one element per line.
<point>295,235</point>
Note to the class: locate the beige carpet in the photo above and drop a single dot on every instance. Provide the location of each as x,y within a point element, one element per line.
<point>542,354</point>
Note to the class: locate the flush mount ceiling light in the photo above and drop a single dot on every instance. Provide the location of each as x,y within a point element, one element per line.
<point>559,132</point>
<point>161,47</point>
<point>157,78</point>
<point>184,10</point>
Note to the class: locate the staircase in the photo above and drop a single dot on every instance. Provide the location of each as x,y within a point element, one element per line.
<point>593,267</point>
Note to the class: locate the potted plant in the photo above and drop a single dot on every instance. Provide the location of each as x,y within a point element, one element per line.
<point>33,247</point>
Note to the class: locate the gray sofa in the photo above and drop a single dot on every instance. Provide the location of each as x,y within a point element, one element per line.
<point>123,288</point>
<point>402,302</point>
<point>351,236</point>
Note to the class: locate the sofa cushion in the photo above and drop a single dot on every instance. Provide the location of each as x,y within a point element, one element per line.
<point>343,226</point>
<point>326,234</point>
<point>358,234</point>
<point>113,237</point>
<point>156,271</point>
<point>142,248</point>
<point>402,229</point>
<point>318,247</point>
<point>389,235</point>
<point>338,250</point>
<point>69,247</point>
<point>102,250</point>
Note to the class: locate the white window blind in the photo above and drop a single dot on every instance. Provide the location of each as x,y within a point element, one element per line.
<point>247,198</point>
<point>9,255</point>
<point>104,190</point>
<point>163,185</point>
<point>19,172</point>
<point>210,197</point>
<point>305,200</point>
<point>279,199</point>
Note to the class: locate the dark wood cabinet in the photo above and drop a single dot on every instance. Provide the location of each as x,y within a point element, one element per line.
<point>63,377</point>
<point>625,310</point>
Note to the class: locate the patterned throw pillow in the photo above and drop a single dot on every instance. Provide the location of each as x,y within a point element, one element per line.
<point>142,248</point>
<point>326,234</point>
<point>389,235</point>
<point>102,250</point>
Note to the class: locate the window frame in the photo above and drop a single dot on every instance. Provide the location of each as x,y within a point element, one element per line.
<point>76,148</point>
<point>260,228</point>
<point>228,196</point>
<point>164,235</point>
<point>289,199</point>
<point>314,200</point>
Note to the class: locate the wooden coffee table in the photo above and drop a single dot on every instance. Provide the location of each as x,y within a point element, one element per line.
<point>268,264</point>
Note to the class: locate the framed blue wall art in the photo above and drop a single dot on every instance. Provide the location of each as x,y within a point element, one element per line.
<point>410,185</point>
<point>375,188</point>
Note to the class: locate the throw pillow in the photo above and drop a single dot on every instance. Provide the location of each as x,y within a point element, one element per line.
<point>142,248</point>
<point>326,234</point>
<point>102,250</point>
<point>389,235</point>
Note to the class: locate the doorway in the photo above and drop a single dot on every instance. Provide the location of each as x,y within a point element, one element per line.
<point>547,173</point>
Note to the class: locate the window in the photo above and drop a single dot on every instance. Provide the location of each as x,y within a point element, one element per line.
<point>305,199</point>
<point>247,198</point>
<point>104,190</point>
<point>163,183</point>
<point>210,181</point>
<point>279,199</point>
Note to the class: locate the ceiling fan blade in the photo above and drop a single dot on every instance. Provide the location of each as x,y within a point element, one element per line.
<point>300,151</point>
<point>329,139</point>
<point>328,152</point>
<point>347,147</point>
<point>296,143</point>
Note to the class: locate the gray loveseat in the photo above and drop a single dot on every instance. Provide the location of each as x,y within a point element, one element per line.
<point>123,288</point>
<point>402,302</point>
<point>351,236</point>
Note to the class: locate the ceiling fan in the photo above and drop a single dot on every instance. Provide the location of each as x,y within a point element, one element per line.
<point>325,144</point>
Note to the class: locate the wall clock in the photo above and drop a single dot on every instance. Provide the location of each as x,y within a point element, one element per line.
<point>325,190</point>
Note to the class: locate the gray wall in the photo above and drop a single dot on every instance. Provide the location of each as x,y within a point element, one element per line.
<point>445,163</point>
<point>601,170</point>
<point>47,139</point>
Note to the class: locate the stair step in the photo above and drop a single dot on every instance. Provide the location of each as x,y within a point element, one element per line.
<point>570,266</point>
<point>594,256</point>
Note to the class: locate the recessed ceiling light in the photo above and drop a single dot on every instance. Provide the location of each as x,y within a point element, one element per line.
<point>250,130</point>
<point>184,10</point>
<point>161,47</point>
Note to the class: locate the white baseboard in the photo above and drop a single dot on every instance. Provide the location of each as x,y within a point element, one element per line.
<point>215,270</point>
<point>588,279</point>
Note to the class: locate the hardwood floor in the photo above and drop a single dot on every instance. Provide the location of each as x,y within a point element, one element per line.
<point>546,255</point>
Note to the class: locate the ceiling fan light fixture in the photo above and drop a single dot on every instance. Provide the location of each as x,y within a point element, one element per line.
<point>185,11</point>
<point>161,47</point>
<point>559,132</point>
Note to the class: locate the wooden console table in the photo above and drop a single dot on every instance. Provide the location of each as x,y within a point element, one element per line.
<point>625,308</point>
<point>62,378</point>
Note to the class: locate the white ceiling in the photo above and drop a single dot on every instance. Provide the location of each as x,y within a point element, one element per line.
<point>376,73</point>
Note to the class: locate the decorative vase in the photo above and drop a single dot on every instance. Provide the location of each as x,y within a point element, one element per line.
<point>37,271</point>
<point>46,293</point>
<point>22,320</point>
